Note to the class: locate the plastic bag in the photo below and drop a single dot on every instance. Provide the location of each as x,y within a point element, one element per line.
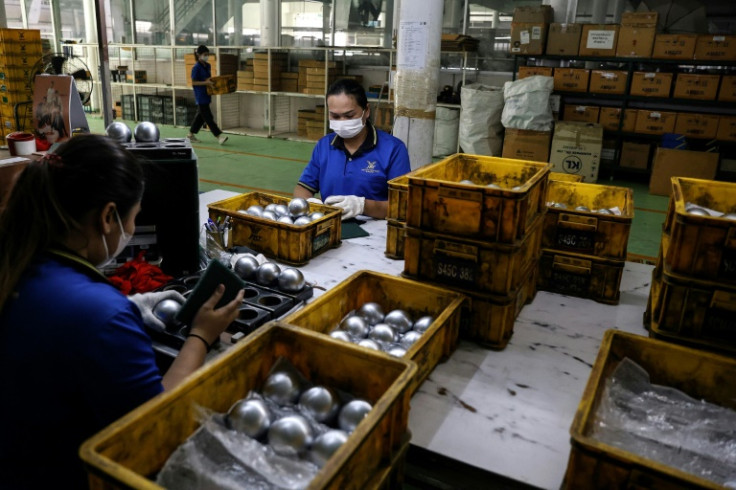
<point>481,132</point>
<point>445,131</point>
<point>526,104</point>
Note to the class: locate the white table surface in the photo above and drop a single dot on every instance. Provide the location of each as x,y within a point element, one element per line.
<point>507,412</point>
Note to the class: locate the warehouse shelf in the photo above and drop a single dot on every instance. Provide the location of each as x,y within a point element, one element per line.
<point>620,60</point>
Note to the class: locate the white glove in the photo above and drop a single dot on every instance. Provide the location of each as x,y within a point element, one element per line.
<point>314,200</point>
<point>260,258</point>
<point>147,301</point>
<point>351,206</point>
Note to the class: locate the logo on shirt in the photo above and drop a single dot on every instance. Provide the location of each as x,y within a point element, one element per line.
<point>370,167</point>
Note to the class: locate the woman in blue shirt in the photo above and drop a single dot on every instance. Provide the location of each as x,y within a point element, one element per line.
<point>201,74</point>
<point>351,168</point>
<point>74,355</point>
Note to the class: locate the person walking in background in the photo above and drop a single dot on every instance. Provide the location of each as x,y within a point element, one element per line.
<point>201,75</point>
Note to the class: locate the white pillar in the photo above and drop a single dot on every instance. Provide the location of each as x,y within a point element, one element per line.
<point>270,23</point>
<point>235,11</point>
<point>494,19</point>
<point>417,77</point>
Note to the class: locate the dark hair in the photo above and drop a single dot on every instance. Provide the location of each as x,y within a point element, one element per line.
<point>351,88</point>
<point>201,49</point>
<point>52,196</point>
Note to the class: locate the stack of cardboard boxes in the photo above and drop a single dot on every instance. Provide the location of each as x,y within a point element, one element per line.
<point>529,29</point>
<point>246,76</point>
<point>20,50</point>
<point>315,76</point>
<point>265,70</point>
<point>310,123</point>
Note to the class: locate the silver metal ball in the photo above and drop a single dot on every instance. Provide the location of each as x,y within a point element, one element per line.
<point>341,335</point>
<point>316,215</point>
<point>146,132</point>
<point>698,211</point>
<point>731,216</point>
<point>583,208</point>
<point>423,324</point>
<point>291,280</point>
<point>398,320</point>
<point>268,274</point>
<point>119,132</point>
<point>255,210</point>
<point>467,181</point>
<point>246,267</point>
<point>271,207</point>
<point>270,215</point>
<point>396,351</point>
<point>320,403</point>
<point>604,211</point>
<point>369,344</point>
<point>355,326</point>
<point>302,220</point>
<point>371,312</point>
<point>409,338</point>
<point>282,388</point>
<point>166,311</point>
<point>285,219</point>
<point>326,445</point>
<point>251,417</point>
<point>516,188</point>
<point>290,435</point>
<point>493,186</point>
<point>282,210</point>
<point>382,333</point>
<point>298,206</point>
<point>559,205</point>
<point>352,413</point>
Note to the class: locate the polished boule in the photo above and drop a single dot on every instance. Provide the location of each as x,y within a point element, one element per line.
<point>398,320</point>
<point>268,274</point>
<point>583,208</point>
<point>119,132</point>
<point>146,132</point>
<point>698,211</point>
<point>282,210</point>
<point>371,312</point>
<point>320,403</point>
<point>382,333</point>
<point>493,186</point>
<point>369,344</point>
<point>269,215</point>
<point>251,417</point>
<point>396,351</point>
<point>467,181</point>
<point>290,435</point>
<point>281,387</point>
<point>341,335</point>
<point>254,210</point>
<point>355,326</point>
<point>298,207</point>
<point>352,413</point>
<point>291,280</point>
<point>246,267</point>
<point>271,207</point>
<point>422,324</point>
<point>285,219</point>
<point>302,220</point>
<point>166,311</point>
<point>409,338</point>
<point>316,215</point>
<point>326,445</point>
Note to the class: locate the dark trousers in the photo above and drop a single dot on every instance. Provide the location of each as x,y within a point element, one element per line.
<point>204,115</point>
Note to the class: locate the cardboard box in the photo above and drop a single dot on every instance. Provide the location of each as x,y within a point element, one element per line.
<point>571,79</point>
<point>674,46</point>
<point>655,122</point>
<point>727,92</point>
<point>224,84</point>
<point>680,163</point>
<point>640,19</point>
<point>726,128</point>
<point>610,116</point>
<point>696,86</point>
<point>531,71</point>
<point>710,47</point>
<point>608,81</point>
<point>563,39</point>
<point>598,40</point>
<point>635,41</point>
<point>542,14</point>
<point>576,149</point>
<point>696,125</point>
<point>651,84</point>
<point>581,113</point>
<point>528,38</point>
<point>523,144</point>
<point>137,76</point>
<point>635,155</point>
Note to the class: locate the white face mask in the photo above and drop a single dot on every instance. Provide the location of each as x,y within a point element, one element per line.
<point>122,243</point>
<point>204,57</point>
<point>349,128</point>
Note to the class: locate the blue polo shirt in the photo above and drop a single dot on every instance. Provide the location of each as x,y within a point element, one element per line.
<point>333,171</point>
<point>201,72</point>
<point>73,358</point>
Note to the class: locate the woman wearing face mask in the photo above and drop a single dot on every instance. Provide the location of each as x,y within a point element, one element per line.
<point>201,74</point>
<point>351,168</point>
<point>74,355</point>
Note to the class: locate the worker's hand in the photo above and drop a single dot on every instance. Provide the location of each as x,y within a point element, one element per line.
<point>209,82</point>
<point>147,301</point>
<point>351,206</point>
<point>209,322</point>
<point>315,200</point>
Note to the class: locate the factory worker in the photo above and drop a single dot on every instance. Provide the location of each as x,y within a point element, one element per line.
<point>351,168</point>
<point>74,355</point>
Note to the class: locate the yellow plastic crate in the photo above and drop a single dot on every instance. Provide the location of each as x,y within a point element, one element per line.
<point>20,35</point>
<point>131,451</point>
<point>290,244</point>
<point>417,299</point>
<point>702,246</point>
<point>395,236</point>
<point>15,72</point>
<point>19,60</point>
<point>398,195</point>
<point>438,202</point>
<point>602,235</point>
<point>563,177</point>
<point>585,276</point>
<point>12,98</point>
<point>7,111</point>
<point>700,374</point>
<point>29,48</point>
<point>19,85</point>
<point>482,266</point>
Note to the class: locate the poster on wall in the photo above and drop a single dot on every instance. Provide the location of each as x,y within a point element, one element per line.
<point>57,109</point>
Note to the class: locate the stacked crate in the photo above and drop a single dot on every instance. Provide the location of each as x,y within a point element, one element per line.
<point>20,50</point>
<point>474,224</point>
<point>290,81</point>
<point>398,195</point>
<point>315,76</point>
<point>586,233</point>
<point>311,123</point>
<point>263,70</point>
<point>693,295</point>
<point>245,77</point>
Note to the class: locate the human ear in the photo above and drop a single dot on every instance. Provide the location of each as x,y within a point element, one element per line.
<point>107,218</point>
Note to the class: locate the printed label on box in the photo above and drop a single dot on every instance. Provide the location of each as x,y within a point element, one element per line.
<point>524,37</point>
<point>601,39</point>
<point>536,33</point>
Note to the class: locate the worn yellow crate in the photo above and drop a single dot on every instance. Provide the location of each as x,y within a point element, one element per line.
<point>580,275</point>
<point>395,236</point>
<point>12,98</point>
<point>19,60</point>
<point>392,476</point>
<point>31,48</point>
<point>588,232</point>
<point>130,452</point>
<point>20,35</point>
<point>438,202</point>
<point>702,375</point>
<point>483,266</point>
<point>7,111</point>
<point>15,72</point>
<point>18,85</point>
<point>398,195</point>
<point>290,244</point>
<point>702,246</point>
<point>563,177</point>
<point>417,299</point>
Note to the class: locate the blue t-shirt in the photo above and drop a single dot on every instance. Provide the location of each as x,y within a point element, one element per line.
<point>74,357</point>
<point>201,72</point>
<point>366,173</point>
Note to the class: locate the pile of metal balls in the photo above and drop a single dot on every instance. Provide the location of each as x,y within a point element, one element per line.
<point>700,211</point>
<point>269,274</point>
<point>586,209</point>
<point>295,213</point>
<point>491,185</point>
<point>393,333</point>
<point>310,423</point>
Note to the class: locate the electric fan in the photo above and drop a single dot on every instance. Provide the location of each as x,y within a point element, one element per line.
<point>67,64</point>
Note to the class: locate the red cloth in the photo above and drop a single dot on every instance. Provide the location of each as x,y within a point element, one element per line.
<point>138,276</point>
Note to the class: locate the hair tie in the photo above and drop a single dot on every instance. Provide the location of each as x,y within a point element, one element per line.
<point>53,160</point>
